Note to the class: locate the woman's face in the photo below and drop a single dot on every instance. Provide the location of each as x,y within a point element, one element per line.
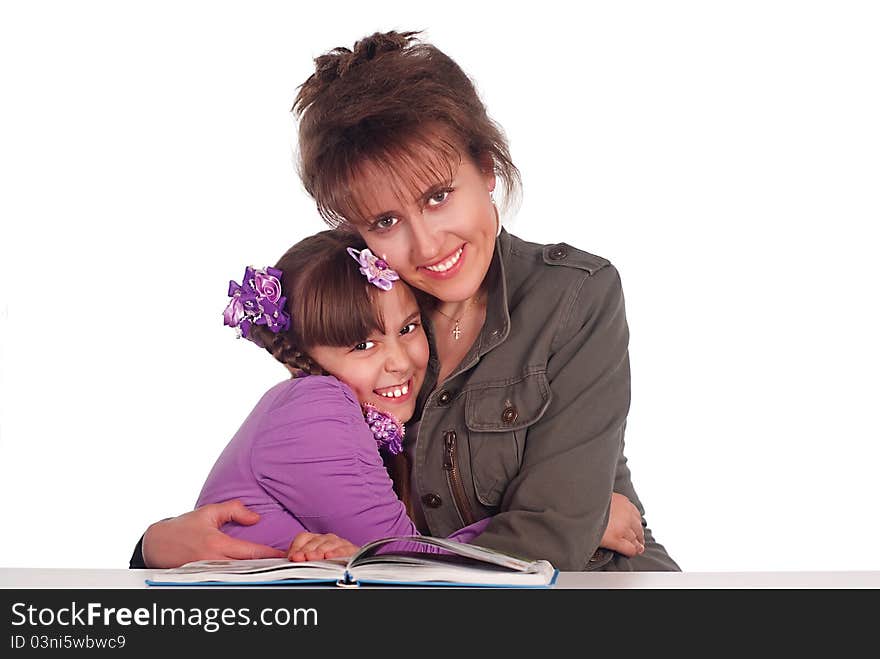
<point>387,368</point>
<point>442,239</point>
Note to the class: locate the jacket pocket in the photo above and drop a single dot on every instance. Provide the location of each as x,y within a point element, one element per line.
<point>497,417</point>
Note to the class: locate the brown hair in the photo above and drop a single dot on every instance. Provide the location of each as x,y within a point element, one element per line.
<point>391,103</point>
<point>329,301</point>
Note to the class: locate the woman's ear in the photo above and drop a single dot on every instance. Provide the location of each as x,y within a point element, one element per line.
<point>487,168</point>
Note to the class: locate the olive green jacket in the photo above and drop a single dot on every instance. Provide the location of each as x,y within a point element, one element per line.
<point>529,428</point>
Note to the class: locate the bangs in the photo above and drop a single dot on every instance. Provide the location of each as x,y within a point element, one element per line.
<point>337,306</point>
<point>408,166</point>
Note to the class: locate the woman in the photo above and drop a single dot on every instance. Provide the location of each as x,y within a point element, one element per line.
<point>522,414</point>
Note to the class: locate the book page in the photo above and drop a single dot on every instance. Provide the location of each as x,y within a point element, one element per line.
<point>253,570</point>
<point>439,572</point>
<point>482,554</point>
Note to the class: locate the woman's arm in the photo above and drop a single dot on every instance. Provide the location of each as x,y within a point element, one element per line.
<point>318,459</point>
<point>196,536</point>
<point>556,507</point>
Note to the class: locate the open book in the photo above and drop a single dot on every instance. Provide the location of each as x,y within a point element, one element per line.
<point>450,563</point>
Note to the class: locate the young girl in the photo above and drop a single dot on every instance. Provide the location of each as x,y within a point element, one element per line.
<point>351,334</point>
<point>304,459</point>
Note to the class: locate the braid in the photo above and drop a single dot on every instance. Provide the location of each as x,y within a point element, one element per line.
<point>282,348</point>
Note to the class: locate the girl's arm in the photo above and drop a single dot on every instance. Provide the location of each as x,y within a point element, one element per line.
<point>317,458</point>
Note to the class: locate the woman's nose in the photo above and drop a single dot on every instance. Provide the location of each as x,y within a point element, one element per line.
<point>426,244</point>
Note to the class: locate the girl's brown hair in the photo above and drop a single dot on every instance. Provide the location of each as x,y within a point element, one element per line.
<point>329,301</point>
<point>395,105</point>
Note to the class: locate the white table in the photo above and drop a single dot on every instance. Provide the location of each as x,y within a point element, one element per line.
<point>120,578</point>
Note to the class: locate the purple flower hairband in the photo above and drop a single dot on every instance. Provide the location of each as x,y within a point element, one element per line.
<point>376,270</point>
<point>257,301</point>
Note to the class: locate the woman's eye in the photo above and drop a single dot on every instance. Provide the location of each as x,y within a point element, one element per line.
<point>385,223</point>
<point>409,329</point>
<point>438,197</point>
<point>364,345</point>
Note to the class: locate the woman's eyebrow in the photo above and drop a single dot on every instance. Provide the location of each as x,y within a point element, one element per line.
<point>434,189</point>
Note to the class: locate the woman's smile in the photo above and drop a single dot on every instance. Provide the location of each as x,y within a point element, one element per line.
<point>447,267</point>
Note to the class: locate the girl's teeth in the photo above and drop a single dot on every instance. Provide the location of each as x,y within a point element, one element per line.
<point>397,393</point>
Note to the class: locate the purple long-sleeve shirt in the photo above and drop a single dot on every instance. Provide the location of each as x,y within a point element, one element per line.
<point>305,460</point>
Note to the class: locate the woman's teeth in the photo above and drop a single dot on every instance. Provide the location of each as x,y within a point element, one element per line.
<point>397,392</point>
<point>448,263</point>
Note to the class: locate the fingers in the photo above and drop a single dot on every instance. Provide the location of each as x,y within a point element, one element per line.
<point>342,552</point>
<point>233,511</point>
<point>635,537</point>
<point>623,546</point>
<point>638,540</point>
<point>640,534</point>
<point>635,521</point>
<point>235,548</point>
<point>317,546</point>
<point>307,546</point>
<point>301,540</point>
<point>636,531</point>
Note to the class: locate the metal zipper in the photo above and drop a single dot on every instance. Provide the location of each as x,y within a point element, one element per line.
<point>453,478</point>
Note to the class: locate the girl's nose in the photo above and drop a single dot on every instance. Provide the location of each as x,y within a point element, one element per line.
<point>397,360</point>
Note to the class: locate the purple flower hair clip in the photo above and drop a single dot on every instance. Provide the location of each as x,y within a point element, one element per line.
<point>387,430</point>
<point>257,301</point>
<point>376,270</point>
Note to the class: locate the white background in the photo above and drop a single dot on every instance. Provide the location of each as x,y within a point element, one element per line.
<point>725,156</point>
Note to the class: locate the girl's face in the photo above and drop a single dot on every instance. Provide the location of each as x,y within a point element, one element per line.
<point>442,240</point>
<point>387,368</point>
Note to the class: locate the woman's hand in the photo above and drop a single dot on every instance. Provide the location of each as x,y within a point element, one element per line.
<point>195,536</point>
<point>624,533</point>
<point>318,546</point>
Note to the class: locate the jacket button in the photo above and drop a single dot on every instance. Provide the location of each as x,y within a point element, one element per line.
<point>558,253</point>
<point>509,414</point>
<point>432,500</point>
<point>444,398</point>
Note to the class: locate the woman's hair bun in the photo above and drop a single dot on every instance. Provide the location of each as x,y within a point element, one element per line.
<point>339,61</point>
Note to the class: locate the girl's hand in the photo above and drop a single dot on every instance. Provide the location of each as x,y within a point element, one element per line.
<point>318,546</point>
<point>195,536</point>
<point>624,533</point>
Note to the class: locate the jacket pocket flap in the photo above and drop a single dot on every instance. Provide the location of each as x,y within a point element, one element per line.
<point>509,406</point>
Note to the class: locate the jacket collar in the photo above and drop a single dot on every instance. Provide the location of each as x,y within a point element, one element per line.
<point>494,331</point>
<point>497,324</point>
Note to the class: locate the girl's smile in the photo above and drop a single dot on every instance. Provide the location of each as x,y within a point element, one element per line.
<point>387,369</point>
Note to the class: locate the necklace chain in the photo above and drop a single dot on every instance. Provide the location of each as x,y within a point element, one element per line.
<point>456,328</point>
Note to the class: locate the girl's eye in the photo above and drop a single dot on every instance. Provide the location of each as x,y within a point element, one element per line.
<point>364,345</point>
<point>409,329</point>
<point>384,223</point>
<point>438,197</point>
